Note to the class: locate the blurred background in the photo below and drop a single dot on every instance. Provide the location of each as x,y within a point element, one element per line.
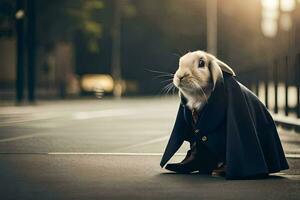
<point>54,49</point>
<point>84,107</point>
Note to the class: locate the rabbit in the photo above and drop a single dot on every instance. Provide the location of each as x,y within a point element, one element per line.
<point>225,123</point>
<point>196,75</point>
<point>196,79</point>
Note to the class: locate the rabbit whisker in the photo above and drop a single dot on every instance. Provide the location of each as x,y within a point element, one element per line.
<point>159,72</point>
<point>170,88</point>
<point>166,88</point>
<point>171,79</point>
<point>174,90</point>
<point>199,86</point>
<point>164,75</point>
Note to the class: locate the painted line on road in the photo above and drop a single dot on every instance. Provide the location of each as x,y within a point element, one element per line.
<point>143,143</point>
<point>107,154</point>
<point>31,119</point>
<point>135,154</point>
<point>75,116</point>
<point>289,155</point>
<point>110,154</point>
<point>103,113</point>
<point>23,137</point>
<point>88,153</point>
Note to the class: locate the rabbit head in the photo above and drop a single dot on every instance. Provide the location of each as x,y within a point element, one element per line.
<point>197,75</point>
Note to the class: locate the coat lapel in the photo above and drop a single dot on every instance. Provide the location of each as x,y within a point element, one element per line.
<point>213,113</point>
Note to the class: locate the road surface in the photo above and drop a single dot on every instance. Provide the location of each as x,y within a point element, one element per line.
<point>110,149</point>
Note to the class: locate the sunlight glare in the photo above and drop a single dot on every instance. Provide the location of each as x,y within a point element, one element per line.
<point>270,4</point>
<point>269,27</point>
<point>270,14</point>
<point>287,5</point>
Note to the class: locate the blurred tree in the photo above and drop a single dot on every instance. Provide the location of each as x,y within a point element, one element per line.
<point>155,33</point>
<point>6,18</point>
<point>60,24</point>
<point>60,20</point>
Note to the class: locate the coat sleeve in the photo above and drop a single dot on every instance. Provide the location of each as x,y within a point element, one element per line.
<point>178,135</point>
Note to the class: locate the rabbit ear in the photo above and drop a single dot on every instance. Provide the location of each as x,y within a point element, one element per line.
<point>216,72</point>
<point>224,67</point>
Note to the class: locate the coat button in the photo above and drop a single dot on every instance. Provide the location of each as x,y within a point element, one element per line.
<point>197,131</point>
<point>204,138</point>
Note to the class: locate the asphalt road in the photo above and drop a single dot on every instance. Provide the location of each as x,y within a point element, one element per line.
<point>110,149</point>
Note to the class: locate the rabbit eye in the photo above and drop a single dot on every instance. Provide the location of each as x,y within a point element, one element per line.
<point>201,64</point>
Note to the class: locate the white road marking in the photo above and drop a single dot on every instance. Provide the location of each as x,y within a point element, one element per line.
<point>107,154</point>
<point>289,155</point>
<point>114,154</point>
<point>102,113</point>
<point>135,154</point>
<point>22,137</point>
<point>143,143</point>
<point>30,119</point>
<point>76,116</point>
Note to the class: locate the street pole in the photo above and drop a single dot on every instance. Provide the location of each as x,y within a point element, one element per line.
<point>20,51</point>
<point>212,26</point>
<point>116,49</point>
<point>31,50</point>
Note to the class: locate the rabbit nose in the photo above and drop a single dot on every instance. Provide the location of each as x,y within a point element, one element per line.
<point>180,77</point>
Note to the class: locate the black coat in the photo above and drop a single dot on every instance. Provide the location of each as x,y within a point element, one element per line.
<point>238,130</point>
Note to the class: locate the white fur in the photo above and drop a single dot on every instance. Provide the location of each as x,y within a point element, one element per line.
<point>198,83</point>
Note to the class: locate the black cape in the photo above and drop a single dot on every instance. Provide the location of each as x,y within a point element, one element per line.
<point>236,127</point>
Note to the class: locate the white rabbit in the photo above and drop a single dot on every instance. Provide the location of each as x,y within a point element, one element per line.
<point>233,133</point>
<point>196,76</point>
